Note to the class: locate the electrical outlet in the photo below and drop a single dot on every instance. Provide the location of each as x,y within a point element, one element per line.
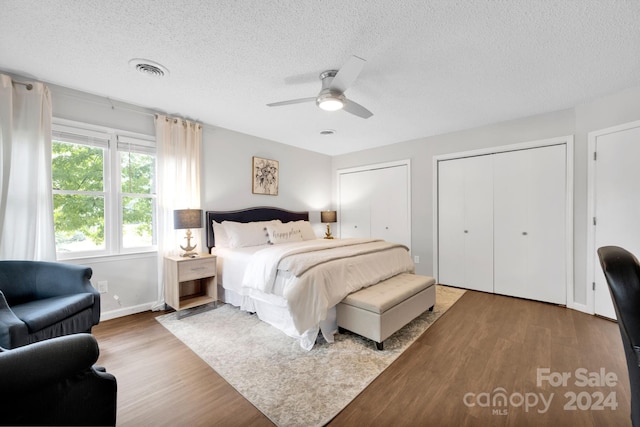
<point>416,259</point>
<point>103,286</point>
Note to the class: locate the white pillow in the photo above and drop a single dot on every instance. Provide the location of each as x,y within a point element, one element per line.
<point>241,234</point>
<point>220,235</point>
<point>284,233</point>
<point>306,228</point>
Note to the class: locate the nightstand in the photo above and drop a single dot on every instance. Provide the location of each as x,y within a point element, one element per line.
<point>190,282</point>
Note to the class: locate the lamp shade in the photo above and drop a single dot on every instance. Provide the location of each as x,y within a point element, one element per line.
<point>187,218</point>
<point>328,216</point>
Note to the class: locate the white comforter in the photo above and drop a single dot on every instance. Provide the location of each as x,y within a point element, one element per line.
<point>322,272</point>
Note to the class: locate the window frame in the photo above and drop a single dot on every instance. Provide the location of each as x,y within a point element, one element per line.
<point>113,196</point>
<point>126,143</point>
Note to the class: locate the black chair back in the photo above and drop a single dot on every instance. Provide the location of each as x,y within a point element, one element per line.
<point>622,272</point>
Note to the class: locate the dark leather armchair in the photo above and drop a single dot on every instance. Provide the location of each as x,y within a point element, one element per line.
<point>54,382</point>
<point>41,300</point>
<point>622,272</point>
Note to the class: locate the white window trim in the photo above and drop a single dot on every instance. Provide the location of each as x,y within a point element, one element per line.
<point>113,196</point>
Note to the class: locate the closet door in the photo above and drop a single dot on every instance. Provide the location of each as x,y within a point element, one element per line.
<point>375,203</point>
<point>465,223</point>
<point>389,205</point>
<point>355,205</point>
<point>529,224</point>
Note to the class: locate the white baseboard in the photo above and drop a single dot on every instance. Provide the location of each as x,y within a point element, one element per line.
<point>580,307</point>
<point>121,312</point>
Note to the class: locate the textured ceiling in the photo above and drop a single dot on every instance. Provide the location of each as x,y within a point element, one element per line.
<point>432,66</point>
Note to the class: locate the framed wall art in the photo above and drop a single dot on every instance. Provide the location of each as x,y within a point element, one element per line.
<point>266,174</point>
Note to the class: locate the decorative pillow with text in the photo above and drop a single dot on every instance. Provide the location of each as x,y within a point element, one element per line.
<point>283,233</point>
<point>242,234</point>
<point>306,228</point>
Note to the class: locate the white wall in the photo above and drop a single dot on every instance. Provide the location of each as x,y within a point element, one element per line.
<point>607,111</point>
<point>305,184</point>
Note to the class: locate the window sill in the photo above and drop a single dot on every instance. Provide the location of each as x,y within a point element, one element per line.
<point>108,257</point>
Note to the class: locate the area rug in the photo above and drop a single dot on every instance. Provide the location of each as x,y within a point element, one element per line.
<point>291,386</point>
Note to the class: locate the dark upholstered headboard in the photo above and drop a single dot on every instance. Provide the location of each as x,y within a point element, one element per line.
<point>263,213</point>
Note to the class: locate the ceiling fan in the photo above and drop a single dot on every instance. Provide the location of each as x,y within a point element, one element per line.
<point>334,84</point>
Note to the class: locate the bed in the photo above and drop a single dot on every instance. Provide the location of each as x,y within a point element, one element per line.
<point>271,262</point>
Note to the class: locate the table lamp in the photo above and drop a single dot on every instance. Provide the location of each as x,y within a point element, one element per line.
<point>187,219</point>
<point>327,217</point>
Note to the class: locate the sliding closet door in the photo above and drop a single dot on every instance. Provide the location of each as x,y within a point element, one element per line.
<point>529,224</point>
<point>465,223</point>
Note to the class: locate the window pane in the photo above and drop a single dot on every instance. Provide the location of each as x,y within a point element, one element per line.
<point>79,222</point>
<point>77,167</point>
<point>137,222</point>
<point>137,171</point>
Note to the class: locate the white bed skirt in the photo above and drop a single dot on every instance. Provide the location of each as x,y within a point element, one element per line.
<point>273,310</point>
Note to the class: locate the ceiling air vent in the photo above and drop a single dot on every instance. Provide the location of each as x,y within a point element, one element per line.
<point>149,68</point>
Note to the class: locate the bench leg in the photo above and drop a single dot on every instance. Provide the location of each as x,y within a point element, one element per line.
<point>379,346</point>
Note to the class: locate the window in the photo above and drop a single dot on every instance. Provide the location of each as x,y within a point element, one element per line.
<point>137,165</point>
<point>104,199</point>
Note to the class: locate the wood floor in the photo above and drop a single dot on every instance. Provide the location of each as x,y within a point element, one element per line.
<point>482,343</point>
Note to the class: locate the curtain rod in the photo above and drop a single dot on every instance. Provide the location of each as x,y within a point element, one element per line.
<point>28,85</point>
<point>175,119</point>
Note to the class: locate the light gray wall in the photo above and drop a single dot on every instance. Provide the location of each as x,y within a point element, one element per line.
<point>305,176</point>
<point>608,111</point>
<point>87,108</point>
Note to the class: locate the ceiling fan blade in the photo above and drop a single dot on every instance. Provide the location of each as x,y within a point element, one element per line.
<point>356,109</point>
<point>347,74</point>
<point>291,101</point>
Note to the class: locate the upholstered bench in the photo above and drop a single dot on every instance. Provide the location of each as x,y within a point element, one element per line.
<point>378,311</point>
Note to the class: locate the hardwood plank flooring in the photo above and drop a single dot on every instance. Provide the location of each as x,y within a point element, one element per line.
<point>483,342</point>
<point>161,382</point>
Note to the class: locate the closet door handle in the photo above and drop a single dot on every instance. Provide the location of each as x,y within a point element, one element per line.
<point>466,231</point>
<point>524,233</point>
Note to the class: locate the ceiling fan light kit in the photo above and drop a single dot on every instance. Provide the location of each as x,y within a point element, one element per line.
<point>334,84</point>
<point>330,101</point>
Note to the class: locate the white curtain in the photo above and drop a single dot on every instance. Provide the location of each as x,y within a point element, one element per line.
<point>26,201</point>
<point>179,148</point>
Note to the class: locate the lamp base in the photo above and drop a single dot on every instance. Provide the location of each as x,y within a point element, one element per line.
<point>328,235</point>
<point>189,250</point>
